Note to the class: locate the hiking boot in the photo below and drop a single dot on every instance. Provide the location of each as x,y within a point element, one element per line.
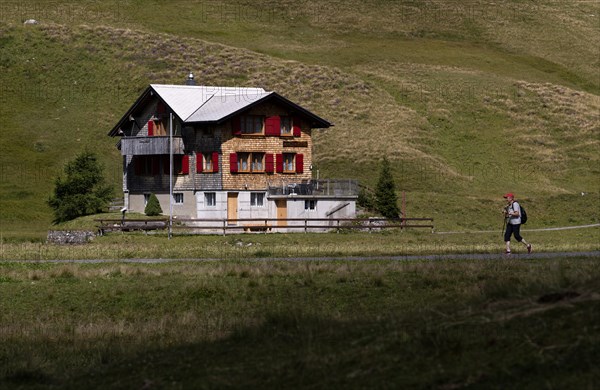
<point>528,248</point>
<point>507,252</point>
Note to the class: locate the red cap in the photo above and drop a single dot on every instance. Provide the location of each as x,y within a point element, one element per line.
<point>509,195</point>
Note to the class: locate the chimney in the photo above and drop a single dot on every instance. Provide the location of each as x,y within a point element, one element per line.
<point>190,79</point>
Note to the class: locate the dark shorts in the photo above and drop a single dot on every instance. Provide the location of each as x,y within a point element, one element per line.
<point>513,229</point>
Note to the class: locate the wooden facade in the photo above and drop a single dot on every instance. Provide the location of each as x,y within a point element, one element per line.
<point>221,166</point>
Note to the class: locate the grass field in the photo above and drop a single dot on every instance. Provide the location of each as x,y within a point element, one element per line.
<point>273,324</point>
<point>468,101</point>
<point>251,246</point>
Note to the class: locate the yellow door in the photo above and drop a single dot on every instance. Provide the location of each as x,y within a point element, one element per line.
<point>281,205</point>
<point>232,207</point>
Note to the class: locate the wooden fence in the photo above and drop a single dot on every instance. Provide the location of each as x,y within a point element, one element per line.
<point>264,225</point>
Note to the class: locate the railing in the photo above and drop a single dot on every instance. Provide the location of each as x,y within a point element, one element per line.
<point>332,187</point>
<point>247,225</point>
<point>139,146</point>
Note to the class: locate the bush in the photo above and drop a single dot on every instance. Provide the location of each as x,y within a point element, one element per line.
<point>81,191</point>
<point>153,206</point>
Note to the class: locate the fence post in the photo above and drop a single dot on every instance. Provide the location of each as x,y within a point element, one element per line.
<point>224,227</point>
<point>305,226</point>
<point>403,222</point>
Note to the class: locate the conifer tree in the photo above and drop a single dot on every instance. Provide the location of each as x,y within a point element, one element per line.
<point>81,191</point>
<point>385,192</point>
<point>366,199</point>
<point>153,206</point>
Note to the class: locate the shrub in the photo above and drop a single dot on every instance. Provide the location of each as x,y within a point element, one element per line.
<point>153,206</point>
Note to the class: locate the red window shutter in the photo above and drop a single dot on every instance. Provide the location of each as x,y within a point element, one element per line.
<point>150,128</point>
<point>215,158</point>
<point>279,163</point>
<point>233,163</point>
<point>137,166</point>
<point>299,163</point>
<point>155,165</point>
<point>185,164</point>
<point>273,126</point>
<point>236,126</point>
<point>297,126</point>
<point>198,162</point>
<point>269,166</point>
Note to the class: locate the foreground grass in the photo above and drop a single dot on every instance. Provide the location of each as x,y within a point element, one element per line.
<point>278,324</point>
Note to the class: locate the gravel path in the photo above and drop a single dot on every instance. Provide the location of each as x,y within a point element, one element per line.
<point>464,256</point>
<point>527,230</point>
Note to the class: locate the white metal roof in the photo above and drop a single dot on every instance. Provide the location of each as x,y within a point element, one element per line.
<point>211,104</point>
<point>204,103</point>
<point>221,106</point>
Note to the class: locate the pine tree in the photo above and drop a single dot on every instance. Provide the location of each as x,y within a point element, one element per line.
<point>386,200</point>
<point>366,199</point>
<point>82,190</point>
<point>153,206</point>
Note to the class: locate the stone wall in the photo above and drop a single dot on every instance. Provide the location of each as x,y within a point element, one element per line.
<point>64,237</point>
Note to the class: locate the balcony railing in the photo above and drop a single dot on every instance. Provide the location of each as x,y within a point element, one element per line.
<point>138,146</point>
<point>332,187</point>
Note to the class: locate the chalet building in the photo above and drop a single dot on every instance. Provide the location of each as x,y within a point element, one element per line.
<point>238,153</point>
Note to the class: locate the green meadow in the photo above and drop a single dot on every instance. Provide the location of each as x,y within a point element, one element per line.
<point>315,324</point>
<point>467,100</point>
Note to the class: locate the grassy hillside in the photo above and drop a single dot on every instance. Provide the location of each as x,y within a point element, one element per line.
<point>468,101</point>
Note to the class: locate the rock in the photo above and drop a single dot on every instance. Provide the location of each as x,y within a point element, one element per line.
<point>70,237</point>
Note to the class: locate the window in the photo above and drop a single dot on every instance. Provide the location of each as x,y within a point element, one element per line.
<point>178,198</point>
<point>210,199</point>
<point>177,165</point>
<point>208,162</point>
<point>146,165</point>
<point>257,199</point>
<point>288,162</point>
<point>243,160</point>
<point>251,124</point>
<point>161,127</point>
<point>310,205</point>
<point>286,125</point>
<point>258,162</point>
<point>181,164</point>
<point>251,162</point>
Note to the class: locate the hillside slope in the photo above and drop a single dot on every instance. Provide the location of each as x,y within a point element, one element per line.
<point>463,110</point>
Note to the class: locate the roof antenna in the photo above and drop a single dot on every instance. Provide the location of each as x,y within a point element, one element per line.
<point>190,79</point>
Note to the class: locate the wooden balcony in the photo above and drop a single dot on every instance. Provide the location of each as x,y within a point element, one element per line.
<point>139,146</point>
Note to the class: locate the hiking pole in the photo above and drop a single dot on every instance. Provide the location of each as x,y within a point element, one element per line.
<point>504,220</point>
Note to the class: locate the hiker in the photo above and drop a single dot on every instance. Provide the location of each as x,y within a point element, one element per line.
<point>512,212</point>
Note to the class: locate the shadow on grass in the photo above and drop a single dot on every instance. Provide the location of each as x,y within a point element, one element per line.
<point>557,347</point>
